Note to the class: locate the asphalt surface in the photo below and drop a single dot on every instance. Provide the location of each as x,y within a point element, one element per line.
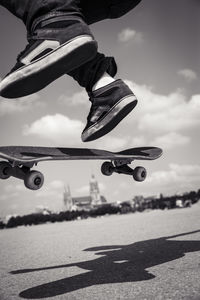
<point>150,255</point>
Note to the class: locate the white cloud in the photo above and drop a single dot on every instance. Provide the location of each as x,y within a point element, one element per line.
<point>188,74</point>
<point>19,105</point>
<point>79,98</point>
<point>178,177</point>
<point>129,34</point>
<point>167,141</point>
<point>171,140</point>
<point>57,128</point>
<point>158,120</point>
<point>162,114</point>
<point>138,141</point>
<point>64,131</point>
<point>110,142</point>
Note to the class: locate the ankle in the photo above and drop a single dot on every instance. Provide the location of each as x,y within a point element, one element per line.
<point>103,81</point>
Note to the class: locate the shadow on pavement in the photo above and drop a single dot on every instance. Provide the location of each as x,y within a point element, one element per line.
<point>119,263</point>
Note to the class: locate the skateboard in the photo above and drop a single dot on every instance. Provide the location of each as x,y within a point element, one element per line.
<point>18,161</point>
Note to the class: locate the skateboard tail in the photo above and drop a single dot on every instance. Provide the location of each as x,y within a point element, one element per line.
<point>143,153</point>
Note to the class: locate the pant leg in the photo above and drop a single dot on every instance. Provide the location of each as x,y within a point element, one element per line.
<point>88,74</point>
<point>31,10</point>
<point>98,10</point>
<point>93,11</point>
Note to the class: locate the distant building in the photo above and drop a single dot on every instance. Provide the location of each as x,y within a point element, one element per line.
<point>67,199</point>
<point>94,192</point>
<point>86,202</point>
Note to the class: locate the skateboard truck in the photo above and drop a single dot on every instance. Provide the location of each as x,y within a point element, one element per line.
<point>121,167</point>
<point>33,180</point>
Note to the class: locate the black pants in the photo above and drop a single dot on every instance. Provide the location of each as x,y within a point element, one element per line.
<point>30,11</point>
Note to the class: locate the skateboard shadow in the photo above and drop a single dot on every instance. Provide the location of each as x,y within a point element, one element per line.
<point>119,263</point>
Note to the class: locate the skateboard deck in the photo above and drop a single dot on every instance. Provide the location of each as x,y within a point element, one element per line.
<point>18,161</point>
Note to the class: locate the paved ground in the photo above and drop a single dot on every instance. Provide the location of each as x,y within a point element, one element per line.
<point>150,255</point>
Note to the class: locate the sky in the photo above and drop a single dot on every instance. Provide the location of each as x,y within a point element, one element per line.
<point>157,48</point>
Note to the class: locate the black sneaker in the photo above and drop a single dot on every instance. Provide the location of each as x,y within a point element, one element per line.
<point>56,46</point>
<point>110,104</point>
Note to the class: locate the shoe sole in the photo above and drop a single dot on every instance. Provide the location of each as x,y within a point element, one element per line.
<point>114,116</point>
<point>38,74</point>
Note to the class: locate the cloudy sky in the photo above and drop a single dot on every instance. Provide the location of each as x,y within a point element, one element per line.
<point>157,49</point>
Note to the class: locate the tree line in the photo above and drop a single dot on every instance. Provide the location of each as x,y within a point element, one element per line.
<point>140,205</point>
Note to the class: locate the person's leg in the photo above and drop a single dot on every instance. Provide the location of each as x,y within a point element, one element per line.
<point>111,99</point>
<point>59,41</point>
<point>35,10</point>
<point>110,103</point>
<point>95,11</point>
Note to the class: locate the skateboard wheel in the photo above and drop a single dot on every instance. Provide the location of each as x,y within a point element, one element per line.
<point>139,174</point>
<point>5,169</point>
<point>34,180</point>
<point>107,168</point>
